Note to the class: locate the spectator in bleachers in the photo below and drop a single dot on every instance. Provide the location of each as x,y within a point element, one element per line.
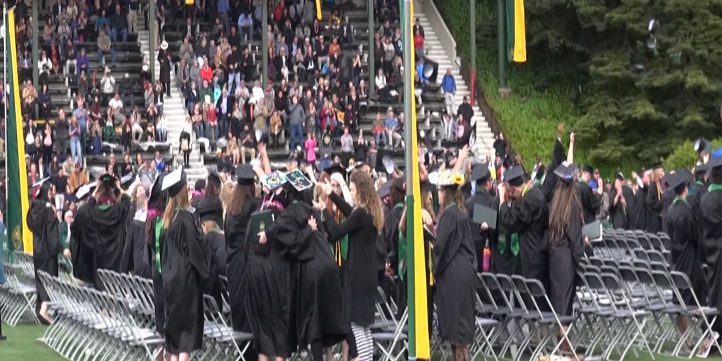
<point>62,135</point>
<point>83,63</point>
<point>96,141</point>
<point>166,63</point>
<point>134,7</point>
<point>47,143</point>
<point>448,86</point>
<point>211,121</point>
<point>105,47</point>
<point>70,65</point>
<point>276,129</point>
<point>119,25</point>
<point>81,28</point>
<point>45,103</point>
<point>392,136</point>
<point>162,129</point>
<point>45,65</point>
<point>137,129</point>
<point>197,121</point>
<point>185,142</point>
<point>260,121</point>
<point>76,148</point>
<point>247,143</point>
<point>116,105</point>
<point>465,110</point>
<point>186,50</point>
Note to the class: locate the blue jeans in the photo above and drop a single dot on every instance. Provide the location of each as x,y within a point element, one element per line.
<point>76,149</point>
<point>112,55</point>
<point>296,135</point>
<point>114,32</point>
<point>213,135</point>
<point>162,135</point>
<point>198,129</point>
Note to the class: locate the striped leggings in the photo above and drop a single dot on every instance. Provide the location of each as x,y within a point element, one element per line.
<point>364,342</point>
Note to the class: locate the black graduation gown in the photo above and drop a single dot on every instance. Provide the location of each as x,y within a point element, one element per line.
<point>711,210</point>
<point>359,276</point>
<point>564,255</point>
<point>687,248</point>
<point>529,218</point>
<point>136,255</point>
<point>695,197</point>
<point>185,262</point>
<point>480,237</point>
<point>219,261</point>
<point>268,285</point>
<point>390,237</point>
<point>82,245</point>
<point>158,291</point>
<point>110,229</point>
<point>235,232</point>
<point>43,223</point>
<point>316,302</point>
<point>502,259</point>
<point>589,201</point>
<point>619,213</point>
<point>667,199</point>
<point>654,209</point>
<point>637,210</point>
<point>455,277</point>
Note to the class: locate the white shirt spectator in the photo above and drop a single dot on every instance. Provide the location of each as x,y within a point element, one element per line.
<point>44,64</point>
<point>256,94</point>
<point>381,81</point>
<point>116,105</point>
<point>108,83</point>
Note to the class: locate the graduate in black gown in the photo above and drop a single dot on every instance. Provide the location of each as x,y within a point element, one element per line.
<point>109,217</point>
<point>243,203</point>
<point>699,188</point>
<point>637,208</point>
<point>454,268</point>
<point>395,255</point>
<point>566,220</point>
<point>687,247</point>
<point>210,210</point>
<point>185,263</point>
<point>362,223</point>
<point>523,212</point>
<point>710,207</point>
<point>317,316</point>
<point>136,253</point>
<point>619,199</point>
<point>482,232</point>
<point>154,228</point>
<point>42,220</point>
<point>82,244</point>
<point>588,199</point>
<point>654,200</point>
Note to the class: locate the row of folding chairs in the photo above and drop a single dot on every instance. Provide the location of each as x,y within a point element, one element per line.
<point>17,297</point>
<point>654,294</point>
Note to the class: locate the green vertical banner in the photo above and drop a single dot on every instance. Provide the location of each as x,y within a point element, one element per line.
<point>18,234</point>
<point>510,29</point>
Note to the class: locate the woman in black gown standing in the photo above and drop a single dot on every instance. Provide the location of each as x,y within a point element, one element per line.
<point>154,228</point>
<point>238,213</point>
<point>185,262</point>
<point>43,223</point>
<point>362,224</point>
<point>454,268</point>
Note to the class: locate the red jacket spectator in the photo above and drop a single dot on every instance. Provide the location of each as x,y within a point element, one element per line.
<point>207,73</point>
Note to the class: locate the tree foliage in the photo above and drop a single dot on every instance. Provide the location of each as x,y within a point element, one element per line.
<point>641,93</point>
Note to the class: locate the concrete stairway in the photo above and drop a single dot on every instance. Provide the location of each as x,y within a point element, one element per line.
<point>435,52</point>
<point>175,113</point>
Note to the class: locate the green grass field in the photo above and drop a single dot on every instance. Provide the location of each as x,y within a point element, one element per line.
<point>22,344</point>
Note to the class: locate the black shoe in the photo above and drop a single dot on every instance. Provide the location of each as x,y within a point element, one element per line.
<point>3,337</point>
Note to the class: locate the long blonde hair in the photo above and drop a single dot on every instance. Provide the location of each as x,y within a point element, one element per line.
<point>367,198</point>
<point>179,201</point>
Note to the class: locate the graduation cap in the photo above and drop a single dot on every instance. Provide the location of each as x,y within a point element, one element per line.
<point>210,208</point>
<point>245,174</point>
<point>701,145</point>
<point>388,163</point>
<point>480,173</point>
<point>385,190</point>
<point>108,181</point>
<point>619,176</point>
<point>678,180</point>
<point>566,172</point>
<point>298,180</point>
<point>701,168</point>
<point>514,176</point>
<point>155,190</point>
<point>714,163</point>
<point>336,168</point>
<point>451,179</point>
<point>39,183</point>
<point>717,153</point>
<point>214,177</point>
<point>173,182</point>
<point>127,180</point>
<point>84,191</point>
<point>274,180</point>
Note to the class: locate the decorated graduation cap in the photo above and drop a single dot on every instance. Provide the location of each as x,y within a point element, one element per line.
<point>298,180</point>
<point>127,180</point>
<point>514,176</point>
<point>84,191</point>
<point>245,175</point>
<point>173,182</point>
<point>108,180</point>
<point>210,209</point>
<point>450,179</point>
<point>274,180</point>
<point>480,173</point>
<point>566,172</point>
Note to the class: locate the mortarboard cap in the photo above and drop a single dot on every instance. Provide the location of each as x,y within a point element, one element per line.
<point>514,176</point>
<point>245,174</point>
<point>39,183</point>
<point>717,153</point>
<point>566,172</point>
<point>701,145</point>
<point>127,180</point>
<point>385,190</point>
<point>210,208</point>
<point>480,172</point>
<point>619,176</point>
<point>678,179</point>
<point>298,180</point>
<point>155,190</point>
<point>274,180</point>
<point>173,182</point>
<point>388,163</point>
<point>336,168</point>
<point>84,191</point>
<point>714,163</point>
<point>214,177</point>
<point>701,168</point>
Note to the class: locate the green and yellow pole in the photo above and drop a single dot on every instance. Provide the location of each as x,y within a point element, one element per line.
<point>416,280</point>
<point>501,42</point>
<point>152,39</point>
<point>264,43</point>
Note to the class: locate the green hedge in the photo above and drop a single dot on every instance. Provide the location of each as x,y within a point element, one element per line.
<point>684,155</point>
